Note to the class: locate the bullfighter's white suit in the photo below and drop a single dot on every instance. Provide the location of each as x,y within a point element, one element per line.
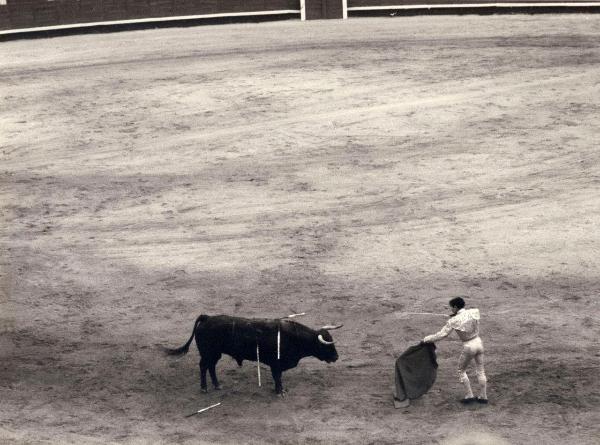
<point>466,325</point>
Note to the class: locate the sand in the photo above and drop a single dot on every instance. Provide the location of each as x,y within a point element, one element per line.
<point>354,170</point>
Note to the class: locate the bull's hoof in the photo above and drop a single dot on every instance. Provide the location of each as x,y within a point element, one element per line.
<point>218,388</point>
<point>281,393</point>
<point>204,390</point>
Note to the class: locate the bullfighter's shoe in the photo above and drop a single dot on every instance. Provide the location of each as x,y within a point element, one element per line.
<point>401,403</point>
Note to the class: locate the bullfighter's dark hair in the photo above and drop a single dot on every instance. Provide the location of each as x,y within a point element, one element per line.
<point>457,302</point>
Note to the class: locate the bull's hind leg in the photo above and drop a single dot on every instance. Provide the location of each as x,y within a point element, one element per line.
<point>208,362</point>
<point>212,369</point>
<point>203,369</point>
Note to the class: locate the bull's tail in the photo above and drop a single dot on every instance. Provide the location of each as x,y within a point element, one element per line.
<point>185,348</point>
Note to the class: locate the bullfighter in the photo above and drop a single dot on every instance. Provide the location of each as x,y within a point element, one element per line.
<point>466,324</point>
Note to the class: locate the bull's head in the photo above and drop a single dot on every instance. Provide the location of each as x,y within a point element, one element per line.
<point>325,346</point>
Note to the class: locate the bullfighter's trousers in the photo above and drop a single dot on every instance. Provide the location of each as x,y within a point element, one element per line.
<point>472,350</point>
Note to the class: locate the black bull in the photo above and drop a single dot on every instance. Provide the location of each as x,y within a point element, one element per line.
<point>239,337</point>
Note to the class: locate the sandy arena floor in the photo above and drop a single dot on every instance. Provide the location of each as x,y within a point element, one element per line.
<point>354,170</point>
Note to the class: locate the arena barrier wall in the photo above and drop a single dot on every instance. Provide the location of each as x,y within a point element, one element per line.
<point>30,15</point>
<point>33,16</point>
<point>388,5</point>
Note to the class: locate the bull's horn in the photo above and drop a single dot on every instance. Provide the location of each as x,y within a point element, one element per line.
<point>332,327</point>
<point>322,340</point>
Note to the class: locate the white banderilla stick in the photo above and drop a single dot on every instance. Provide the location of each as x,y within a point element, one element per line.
<point>203,409</point>
<point>279,332</point>
<point>278,344</point>
<point>296,315</point>
<point>258,364</point>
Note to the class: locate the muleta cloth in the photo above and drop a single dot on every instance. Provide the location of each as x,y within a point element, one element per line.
<point>416,370</point>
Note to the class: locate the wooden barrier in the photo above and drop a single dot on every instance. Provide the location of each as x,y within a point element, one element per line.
<point>373,5</point>
<point>26,14</point>
<point>29,15</point>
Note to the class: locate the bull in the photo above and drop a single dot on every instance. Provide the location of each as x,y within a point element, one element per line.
<point>240,337</point>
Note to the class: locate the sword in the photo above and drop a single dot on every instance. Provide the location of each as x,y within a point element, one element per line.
<point>398,314</point>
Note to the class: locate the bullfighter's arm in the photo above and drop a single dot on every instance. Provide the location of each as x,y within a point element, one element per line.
<point>443,333</point>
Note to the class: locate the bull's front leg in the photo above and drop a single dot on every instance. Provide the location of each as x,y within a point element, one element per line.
<point>276,373</point>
